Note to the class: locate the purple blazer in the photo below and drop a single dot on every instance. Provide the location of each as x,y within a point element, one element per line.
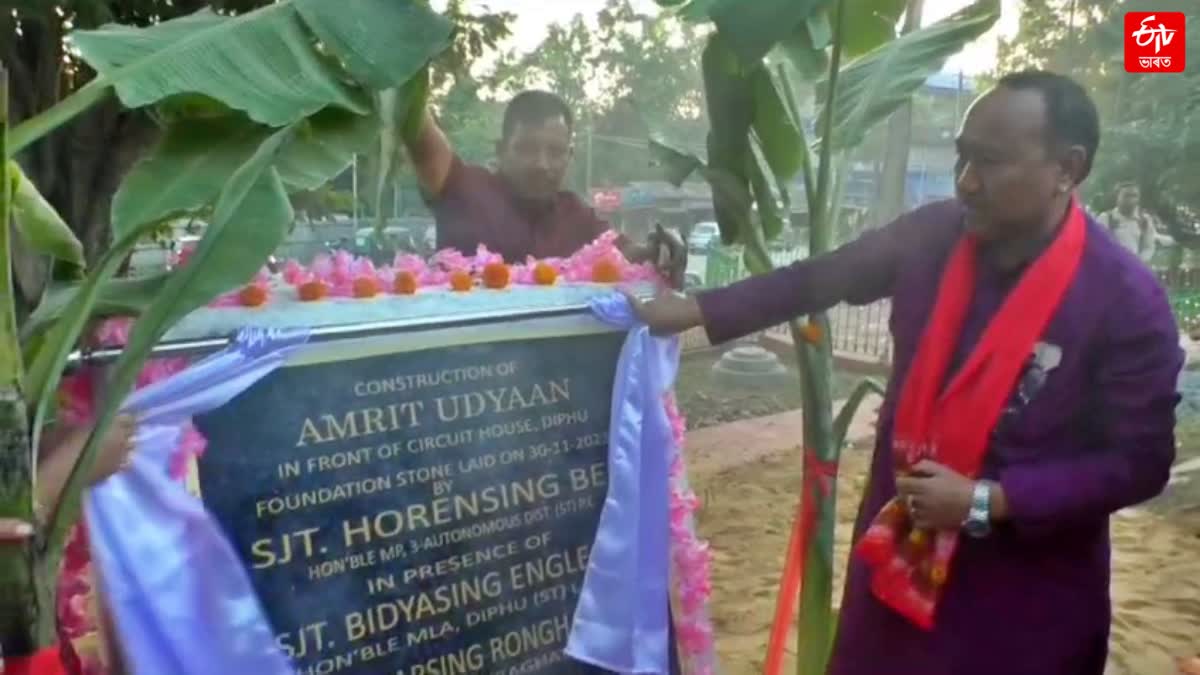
<point>1089,430</point>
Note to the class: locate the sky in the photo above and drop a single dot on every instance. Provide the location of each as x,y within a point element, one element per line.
<point>534,16</point>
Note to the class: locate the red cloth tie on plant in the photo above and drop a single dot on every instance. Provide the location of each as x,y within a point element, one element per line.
<point>819,478</point>
<point>953,426</point>
<point>48,661</point>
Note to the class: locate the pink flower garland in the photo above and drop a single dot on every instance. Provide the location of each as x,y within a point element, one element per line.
<point>338,271</point>
<point>691,561</point>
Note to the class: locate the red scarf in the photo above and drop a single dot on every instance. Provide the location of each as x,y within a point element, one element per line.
<point>45,662</point>
<point>909,567</point>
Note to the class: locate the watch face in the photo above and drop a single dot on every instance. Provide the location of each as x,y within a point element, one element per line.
<point>977,527</point>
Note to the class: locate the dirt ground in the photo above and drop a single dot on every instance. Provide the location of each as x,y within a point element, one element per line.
<point>705,403</point>
<point>750,493</point>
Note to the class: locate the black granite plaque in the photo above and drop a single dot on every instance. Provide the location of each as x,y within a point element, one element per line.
<point>420,513</point>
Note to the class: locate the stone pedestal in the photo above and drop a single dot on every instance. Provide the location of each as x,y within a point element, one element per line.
<point>748,366</point>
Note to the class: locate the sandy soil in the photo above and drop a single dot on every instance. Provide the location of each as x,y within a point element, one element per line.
<point>747,514</point>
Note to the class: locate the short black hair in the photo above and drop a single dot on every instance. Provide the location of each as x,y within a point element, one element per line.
<point>1071,116</point>
<point>535,107</point>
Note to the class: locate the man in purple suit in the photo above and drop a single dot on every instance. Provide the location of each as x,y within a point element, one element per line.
<point>1084,428</point>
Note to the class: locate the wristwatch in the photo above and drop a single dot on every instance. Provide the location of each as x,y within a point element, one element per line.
<point>979,519</point>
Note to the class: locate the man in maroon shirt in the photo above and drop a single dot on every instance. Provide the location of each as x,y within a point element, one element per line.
<point>521,209</point>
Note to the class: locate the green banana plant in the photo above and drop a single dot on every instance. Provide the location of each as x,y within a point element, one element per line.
<point>761,52</point>
<point>252,107</point>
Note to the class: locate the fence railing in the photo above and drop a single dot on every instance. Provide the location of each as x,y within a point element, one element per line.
<point>860,332</point>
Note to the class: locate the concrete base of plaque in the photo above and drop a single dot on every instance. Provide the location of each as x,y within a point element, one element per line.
<point>749,365</point>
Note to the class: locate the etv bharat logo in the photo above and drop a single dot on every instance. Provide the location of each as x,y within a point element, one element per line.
<point>1155,42</point>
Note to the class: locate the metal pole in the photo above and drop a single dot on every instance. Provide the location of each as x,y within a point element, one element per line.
<point>354,188</point>
<point>588,178</point>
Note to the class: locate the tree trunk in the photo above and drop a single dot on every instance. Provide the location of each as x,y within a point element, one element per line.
<point>26,574</point>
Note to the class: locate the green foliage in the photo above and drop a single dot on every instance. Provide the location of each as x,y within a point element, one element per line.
<point>265,64</point>
<point>255,106</point>
<point>633,75</point>
<point>1150,125</point>
<point>255,197</point>
<point>874,24</point>
<point>10,346</point>
<point>38,222</point>
<point>875,85</point>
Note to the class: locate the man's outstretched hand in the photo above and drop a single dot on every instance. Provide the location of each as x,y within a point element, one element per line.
<point>12,531</point>
<point>663,250</point>
<point>670,256</point>
<point>668,313</point>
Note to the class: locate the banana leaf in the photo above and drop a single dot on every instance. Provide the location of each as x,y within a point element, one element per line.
<point>875,85</point>
<point>277,64</point>
<point>42,227</point>
<point>190,165</point>
<point>873,24</point>
<point>249,221</point>
<point>754,28</point>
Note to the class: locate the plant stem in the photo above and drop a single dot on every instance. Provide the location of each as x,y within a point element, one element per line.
<point>819,239</point>
<point>26,592</point>
<point>793,106</point>
<point>815,627</point>
<point>10,346</point>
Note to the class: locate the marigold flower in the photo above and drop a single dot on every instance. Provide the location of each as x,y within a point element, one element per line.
<point>461,281</point>
<point>406,283</point>
<point>937,574</point>
<point>918,538</point>
<point>366,287</point>
<point>313,290</point>
<point>812,333</point>
<point>496,275</point>
<point>253,296</point>
<point>544,274</point>
<point>606,271</point>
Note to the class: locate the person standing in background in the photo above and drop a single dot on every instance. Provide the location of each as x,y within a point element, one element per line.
<point>1130,224</point>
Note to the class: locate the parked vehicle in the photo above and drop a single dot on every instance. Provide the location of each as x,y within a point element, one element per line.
<point>702,236</point>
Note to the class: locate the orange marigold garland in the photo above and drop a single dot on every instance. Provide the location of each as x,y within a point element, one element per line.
<point>544,274</point>
<point>461,281</point>
<point>496,275</point>
<point>366,287</point>
<point>405,283</point>
<point>253,296</point>
<point>313,290</point>
<point>606,271</point>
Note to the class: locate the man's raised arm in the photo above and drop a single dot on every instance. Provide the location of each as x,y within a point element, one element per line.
<point>431,154</point>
